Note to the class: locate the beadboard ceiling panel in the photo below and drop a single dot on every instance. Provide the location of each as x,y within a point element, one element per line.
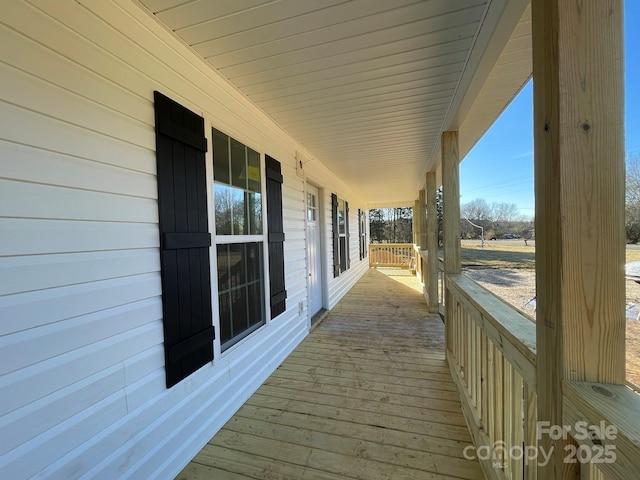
<point>367,86</point>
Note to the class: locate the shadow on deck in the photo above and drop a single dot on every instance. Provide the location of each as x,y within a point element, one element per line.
<point>367,394</point>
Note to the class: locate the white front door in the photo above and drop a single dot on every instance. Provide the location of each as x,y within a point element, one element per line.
<point>314,250</point>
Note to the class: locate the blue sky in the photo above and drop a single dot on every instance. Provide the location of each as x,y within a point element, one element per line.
<point>500,167</point>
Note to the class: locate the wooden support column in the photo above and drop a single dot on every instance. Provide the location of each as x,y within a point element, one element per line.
<point>422,209</point>
<point>450,217</point>
<point>416,223</point>
<point>579,187</point>
<point>432,242</point>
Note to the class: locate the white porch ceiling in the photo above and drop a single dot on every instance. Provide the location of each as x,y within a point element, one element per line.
<point>367,86</point>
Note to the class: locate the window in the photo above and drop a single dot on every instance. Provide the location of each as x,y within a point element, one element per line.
<point>340,220</point>
<point>236,172</point>
<point>239,238</point>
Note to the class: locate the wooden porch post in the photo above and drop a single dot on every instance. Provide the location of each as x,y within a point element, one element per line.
<point>422,241</point>
<point>432,243</point>
<point>579,177</point>
<point>451,217</point>
<point>416,223</point>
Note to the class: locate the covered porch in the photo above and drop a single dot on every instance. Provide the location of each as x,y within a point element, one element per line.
<point>368,394</point>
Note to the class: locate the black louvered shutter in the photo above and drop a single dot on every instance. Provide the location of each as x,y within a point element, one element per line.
<point>184,239</point>
<point>346,226</point>
<point>336,235</point>
<point>276,236</point>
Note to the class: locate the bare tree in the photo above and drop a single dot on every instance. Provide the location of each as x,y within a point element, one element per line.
<point>632,199</point>
<point>505,213</point>
<point>477,210</point>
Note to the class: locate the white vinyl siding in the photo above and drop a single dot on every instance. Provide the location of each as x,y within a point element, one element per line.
<point>82,376</point>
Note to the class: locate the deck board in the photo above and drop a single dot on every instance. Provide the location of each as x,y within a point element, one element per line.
<point>366,395</point>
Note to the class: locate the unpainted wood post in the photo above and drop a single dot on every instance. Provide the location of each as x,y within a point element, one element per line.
<point>451,218</point>
<point>422,220</point>
<point>416,223</point>
<point>579,178</point>
<point>432,241</point>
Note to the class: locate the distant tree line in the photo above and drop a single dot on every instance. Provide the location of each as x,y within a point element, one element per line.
<point>499,220</point>
<point>395,225</point>
<point>391,225</point>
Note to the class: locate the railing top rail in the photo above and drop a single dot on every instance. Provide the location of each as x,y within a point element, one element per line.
<point>511,330</point>
<point>615,405</point>
<point>385,245</point>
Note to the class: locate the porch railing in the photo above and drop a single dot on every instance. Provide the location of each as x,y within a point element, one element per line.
<point>391,255</point>
<point>492,356</point>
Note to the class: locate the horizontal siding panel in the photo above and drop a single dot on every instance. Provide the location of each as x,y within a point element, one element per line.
<point>294,235</point>
<point>21,162</point>
<point>50,134</point>
<point>91,56</point>
<point>54,443</point>
<point>38,344</point>
<point>143,364</point>
<point>61,203</point>
<point>23,424</point>
<point>42,379</point>
<point>32,93</point>
<point>36,272</point>
<point>146,389</point>
<point>188,78</point>
<point>43,62</point>
<point>292,225</point>
<point>125,444</point>
<point>29,310</point>
<point>32,237</point>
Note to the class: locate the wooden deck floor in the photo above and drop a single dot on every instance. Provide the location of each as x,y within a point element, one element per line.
<point>366,395</point>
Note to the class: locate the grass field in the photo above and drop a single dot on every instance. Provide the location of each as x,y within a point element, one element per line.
<point>509,255</point>
<point>498,255</point>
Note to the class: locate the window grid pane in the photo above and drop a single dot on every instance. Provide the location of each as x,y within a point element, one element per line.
<point>240,290</point>
<point>237,187</point>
